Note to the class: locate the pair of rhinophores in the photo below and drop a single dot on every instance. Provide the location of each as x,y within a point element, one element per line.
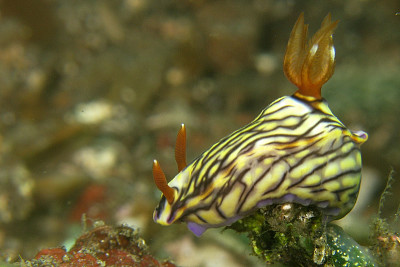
<point>296,150</point>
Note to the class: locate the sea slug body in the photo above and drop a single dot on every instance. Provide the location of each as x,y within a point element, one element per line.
<point>296,151</point>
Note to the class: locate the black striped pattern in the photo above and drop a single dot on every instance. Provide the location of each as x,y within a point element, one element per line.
<point>296,150</point>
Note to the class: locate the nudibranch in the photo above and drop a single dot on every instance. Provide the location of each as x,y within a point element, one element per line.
<point>295,151</point>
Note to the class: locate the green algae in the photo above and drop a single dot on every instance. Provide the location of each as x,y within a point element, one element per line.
<point>344,251</point>
<point>299,236</point>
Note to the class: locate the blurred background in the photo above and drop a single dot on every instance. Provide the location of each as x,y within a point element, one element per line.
<point>92,91</point>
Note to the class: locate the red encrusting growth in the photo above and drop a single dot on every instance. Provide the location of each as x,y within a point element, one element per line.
<point>161,182</point>
<point>180,148</point>
<point>92,203</point>
<point>102,246</point>
<point>310,65</point>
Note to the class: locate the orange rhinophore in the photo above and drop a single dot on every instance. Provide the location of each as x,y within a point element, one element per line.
<point>161,182</point>
<point>180,148</point>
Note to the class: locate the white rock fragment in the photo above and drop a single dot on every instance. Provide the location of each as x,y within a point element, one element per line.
<point>93,112</point>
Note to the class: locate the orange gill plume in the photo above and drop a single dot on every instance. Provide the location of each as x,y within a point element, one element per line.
<point>309,66</point>
<point>180,156</point>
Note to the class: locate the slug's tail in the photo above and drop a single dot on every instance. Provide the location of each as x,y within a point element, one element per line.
<point>310,65</point>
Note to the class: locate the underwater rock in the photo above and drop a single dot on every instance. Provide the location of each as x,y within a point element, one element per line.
<point>295,235</point>
<point>16,196</point>
<point>102,246</point>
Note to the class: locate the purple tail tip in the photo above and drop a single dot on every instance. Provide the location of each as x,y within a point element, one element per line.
<point>196,229</point>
